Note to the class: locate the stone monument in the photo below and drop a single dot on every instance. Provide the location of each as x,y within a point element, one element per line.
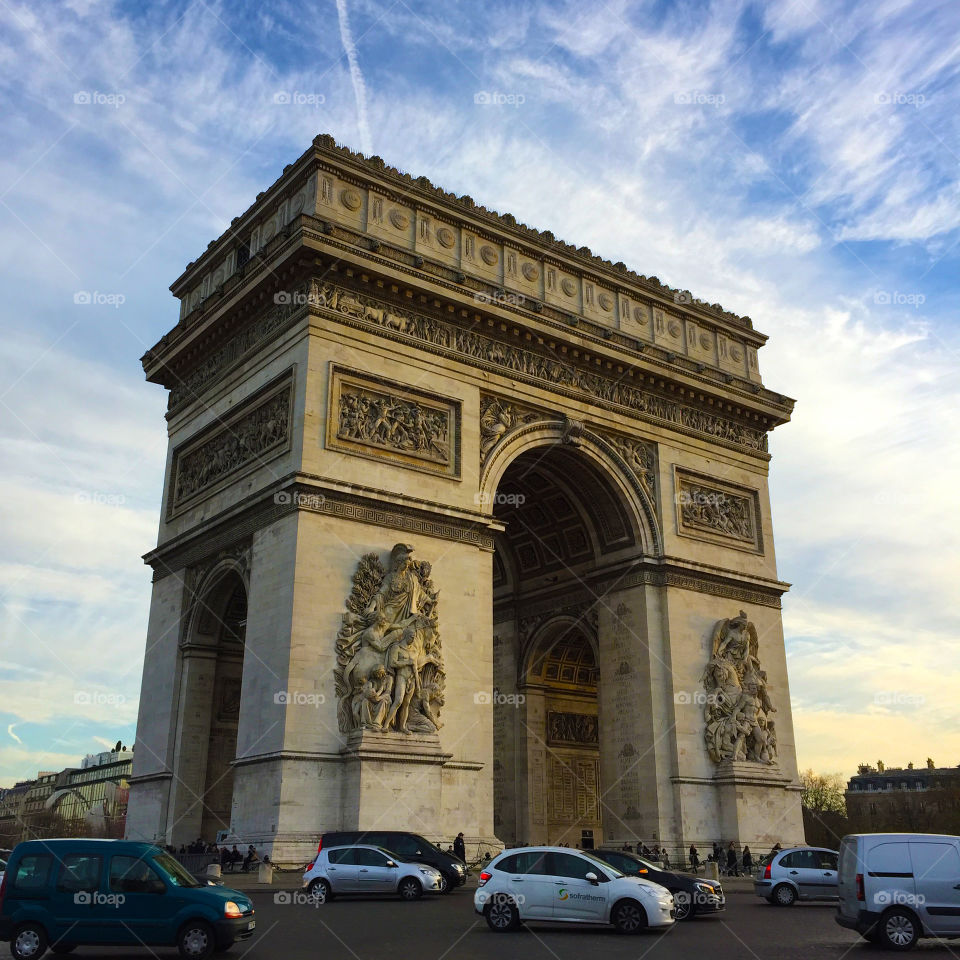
<point>455,518</point>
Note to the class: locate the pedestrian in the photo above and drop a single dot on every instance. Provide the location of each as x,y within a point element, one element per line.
<point>665,859</point>
<point>733,869</point>
<point>747,862</point>
<point>460,848</point>
<point>694,858</point>
<point>251,858</point>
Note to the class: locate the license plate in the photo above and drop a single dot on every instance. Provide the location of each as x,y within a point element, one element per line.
<point>251,924</point>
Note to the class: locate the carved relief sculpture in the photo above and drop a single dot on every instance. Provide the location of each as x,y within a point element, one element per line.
<point>389,674</point>
<point>717,511</point>
<point>470,345</point>
<point>738,710</point>
<point>497,419</point>
<point>372,417</point>
<point>394,423</point>
<point>241,442</point>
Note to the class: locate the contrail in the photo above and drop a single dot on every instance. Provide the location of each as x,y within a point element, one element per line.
<point>359,87</point>
<point>12,734</point>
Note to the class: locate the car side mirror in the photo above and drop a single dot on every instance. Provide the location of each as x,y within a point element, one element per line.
<point>391,863</point>
<point>592,877</point>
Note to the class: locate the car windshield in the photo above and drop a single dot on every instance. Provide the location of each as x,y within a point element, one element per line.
<point>175,871</point>
<point>608,867</point>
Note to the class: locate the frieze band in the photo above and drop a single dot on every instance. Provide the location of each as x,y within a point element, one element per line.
<point>467,344</point>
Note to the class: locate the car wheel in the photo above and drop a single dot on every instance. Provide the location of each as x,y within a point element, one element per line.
<point>445,885</point>
<point>898,929</point>
<point>784,895</point>
<point>29,942</point>
<point>196,940</point>
<point>410,889</point>
<point>683,905</point>
<point>319,891</point>
<point>628,917</point>
<point>502,914</point>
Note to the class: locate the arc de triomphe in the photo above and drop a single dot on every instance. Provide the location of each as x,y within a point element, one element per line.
<point>463,529</point>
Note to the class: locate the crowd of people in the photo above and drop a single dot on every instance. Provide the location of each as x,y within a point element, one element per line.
<point>231,858</point>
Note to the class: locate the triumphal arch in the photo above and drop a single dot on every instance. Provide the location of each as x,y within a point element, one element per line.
<point>463,529</point>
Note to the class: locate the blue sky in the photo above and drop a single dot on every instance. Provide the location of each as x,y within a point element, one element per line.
<point>796,161</point>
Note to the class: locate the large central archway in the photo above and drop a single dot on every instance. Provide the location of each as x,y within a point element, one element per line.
<point>567,520</point>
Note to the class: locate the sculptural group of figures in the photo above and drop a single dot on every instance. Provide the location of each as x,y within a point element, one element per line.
<point>717,511</point>
<point>394,423</point>
<point>389,663</point>
<point>738,710</point>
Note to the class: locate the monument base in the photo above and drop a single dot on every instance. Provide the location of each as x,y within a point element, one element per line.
<point>759,805</point>
<point>393,781</point>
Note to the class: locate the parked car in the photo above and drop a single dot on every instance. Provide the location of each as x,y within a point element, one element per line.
<point>566,886</point>
<point>897,887</point>
<point>69,893</point>
<point>692,895</point>
<point>797,873</point>
<point>368,869</point>
<point>407,846</point>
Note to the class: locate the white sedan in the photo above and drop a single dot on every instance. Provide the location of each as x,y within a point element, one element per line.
<point>567,886</point>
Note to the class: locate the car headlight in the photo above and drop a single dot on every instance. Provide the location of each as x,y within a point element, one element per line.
<point>230,909</point>
<point>706,888</point>
<point>458,867</point>
<point>427,873</point>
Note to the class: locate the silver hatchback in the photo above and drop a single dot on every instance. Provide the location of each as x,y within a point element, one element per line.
<point>798,873</point>
<point>361,869</point>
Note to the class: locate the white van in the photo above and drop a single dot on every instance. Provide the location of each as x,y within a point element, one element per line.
<point>897,887</point>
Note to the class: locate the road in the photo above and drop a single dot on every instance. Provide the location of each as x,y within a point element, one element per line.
<point>446,928</point>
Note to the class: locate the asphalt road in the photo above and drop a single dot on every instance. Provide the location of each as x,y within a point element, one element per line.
<point>446,928</point>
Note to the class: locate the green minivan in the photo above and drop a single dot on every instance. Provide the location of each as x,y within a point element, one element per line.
<point>63,894</point>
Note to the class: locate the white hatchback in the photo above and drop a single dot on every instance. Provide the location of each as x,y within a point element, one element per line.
<point>368,869</point>
<point>567,886</point>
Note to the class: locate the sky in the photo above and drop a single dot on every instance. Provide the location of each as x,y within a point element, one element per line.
<point>795,160</point>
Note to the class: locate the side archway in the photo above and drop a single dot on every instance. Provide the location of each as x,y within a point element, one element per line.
<point>212,654</point>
